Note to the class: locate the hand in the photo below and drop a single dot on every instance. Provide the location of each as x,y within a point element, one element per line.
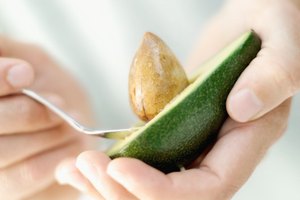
<point>274,76</point>
<point>216,175</point>
<point>32,139</point>
<point>258,106</point>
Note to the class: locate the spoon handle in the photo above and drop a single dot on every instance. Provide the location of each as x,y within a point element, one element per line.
<point>113,134</point>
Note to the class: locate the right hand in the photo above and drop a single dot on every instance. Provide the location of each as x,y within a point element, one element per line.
<point>273,77</point>
<point>32,139</point>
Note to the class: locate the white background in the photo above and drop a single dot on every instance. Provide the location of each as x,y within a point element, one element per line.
<point>96,40</point>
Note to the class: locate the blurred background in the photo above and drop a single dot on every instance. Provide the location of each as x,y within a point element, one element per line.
<point>96,40</point>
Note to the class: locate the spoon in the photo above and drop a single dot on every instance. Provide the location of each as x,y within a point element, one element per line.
<point>112,134</point>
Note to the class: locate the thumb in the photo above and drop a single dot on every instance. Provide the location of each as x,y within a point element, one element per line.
<point>14,75</point>
<point>274,75</point>
<point>270,79</point>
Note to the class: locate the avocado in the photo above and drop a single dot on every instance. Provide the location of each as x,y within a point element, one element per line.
<point>191,121</point>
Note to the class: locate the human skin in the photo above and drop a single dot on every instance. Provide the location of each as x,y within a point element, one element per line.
<point>258,106</point>
<point>32,139</point>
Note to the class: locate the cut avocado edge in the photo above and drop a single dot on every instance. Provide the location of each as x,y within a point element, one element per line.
<point>192,120</point>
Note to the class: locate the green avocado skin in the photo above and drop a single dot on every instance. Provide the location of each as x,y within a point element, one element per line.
<point>195,122</point>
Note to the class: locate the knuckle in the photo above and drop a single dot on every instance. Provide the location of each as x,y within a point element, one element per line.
<point>25,109</point>
<point>30,172</point>
<point>223,187</point>
<point>289,77</point>
<point>28,110</point>
<point>22,114</point>
<point>280,118</point>
<point>228,189</point>
<point>220,189</point>
<point>283,72</point>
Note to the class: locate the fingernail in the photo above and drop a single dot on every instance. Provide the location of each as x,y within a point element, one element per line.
<point>244,105</point>
<point>20,75</point>
<point>61,176</point>
<point>64,177</point>
<point>115,173</point>
<point>87,168</point>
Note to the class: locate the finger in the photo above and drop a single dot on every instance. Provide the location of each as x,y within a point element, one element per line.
<point>257,93</point>
<point>14,75</point>
<point>274,75</point>
<point>26,145</point>
<point>140,179</point>
<point>146,182</point>
<point>67,173</point>
<point>34,174</point>
<point>240,148</point>
<point>19,113</point>
<point>93,165</point>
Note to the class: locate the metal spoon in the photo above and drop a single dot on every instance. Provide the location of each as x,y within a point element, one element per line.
<point>112,134</point>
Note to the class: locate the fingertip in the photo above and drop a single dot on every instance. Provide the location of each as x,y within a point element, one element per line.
<point>139,178</point>
<point>15,74</point>
<point>91,163</point>
<point>91,157</point>
<point>118,166</point>
<point>127,172</point>
<point>123,165</point>
<point>67,173</point>
<point>20,75</point>
<point>244,105</point>
<point>62,169</point>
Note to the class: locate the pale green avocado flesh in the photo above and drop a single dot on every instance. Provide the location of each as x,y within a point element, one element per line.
<point>191,121</point>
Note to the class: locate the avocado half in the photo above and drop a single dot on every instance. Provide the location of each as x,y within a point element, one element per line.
<point>192,120</point>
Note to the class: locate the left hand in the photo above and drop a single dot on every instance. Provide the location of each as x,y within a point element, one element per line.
<point>32,139</point>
